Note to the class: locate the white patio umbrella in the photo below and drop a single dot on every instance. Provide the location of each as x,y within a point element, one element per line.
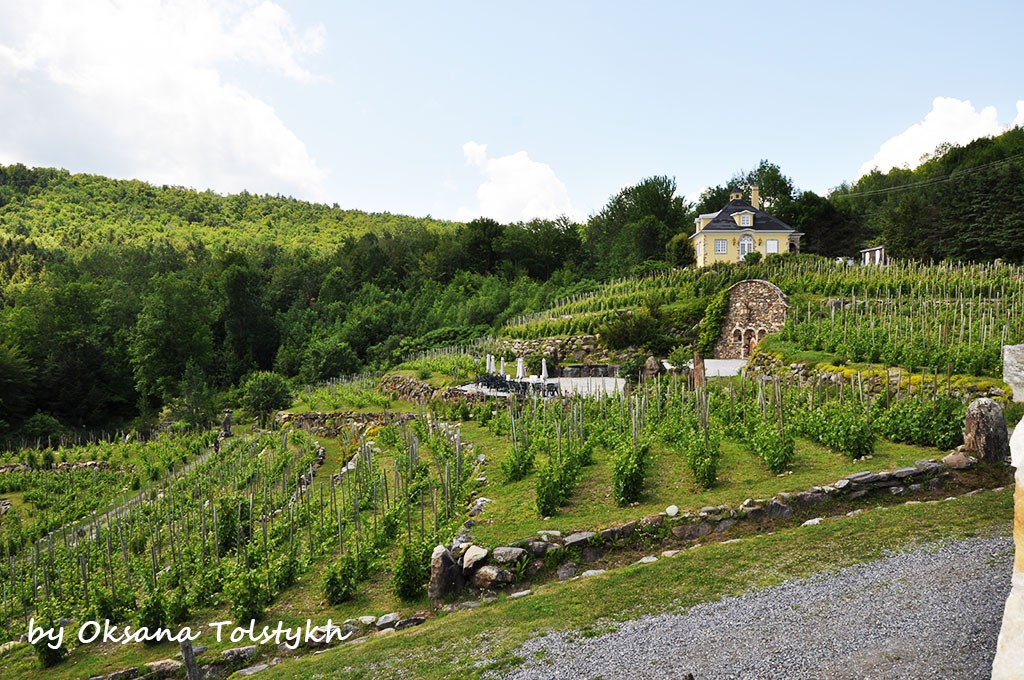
<point>520,369</point>
<point>543,369</point>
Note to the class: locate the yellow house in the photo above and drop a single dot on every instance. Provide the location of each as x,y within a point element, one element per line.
<point>740,228</point>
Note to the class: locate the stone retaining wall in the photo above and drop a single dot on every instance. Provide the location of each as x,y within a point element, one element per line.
<point>331,425</point>
<point>464,563</point>
<point>413,390</point>
<point>574,349</point>
<point>767,365</point>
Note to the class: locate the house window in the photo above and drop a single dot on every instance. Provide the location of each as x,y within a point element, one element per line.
<point>721,245</point>
<point>772,246</point>
<point>746,245</point>
<point>744,220</point>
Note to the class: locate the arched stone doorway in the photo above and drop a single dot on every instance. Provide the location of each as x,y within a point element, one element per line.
<point>756,308</point>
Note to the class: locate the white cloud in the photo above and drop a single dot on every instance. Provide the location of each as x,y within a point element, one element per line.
<point>950,121</point>
<point>136,89</point>
<point>515,188</point>
<point>1019,120</point>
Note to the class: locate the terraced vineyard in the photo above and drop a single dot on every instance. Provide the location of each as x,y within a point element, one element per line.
<point>339,519</point>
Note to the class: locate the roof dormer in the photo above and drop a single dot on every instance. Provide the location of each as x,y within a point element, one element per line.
<point>744,218</point>
<point>735,194</point>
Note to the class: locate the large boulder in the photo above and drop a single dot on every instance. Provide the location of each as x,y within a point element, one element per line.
<point>473,554</point>
<point>507,555</point>
<point>490,576</point>
<point>985,431</point>
<point>445,574</point>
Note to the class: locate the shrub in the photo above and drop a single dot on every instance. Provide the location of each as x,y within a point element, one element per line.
<point>925,422</point>
<point>177,607</point>
<point>153,614</point>
<point>519,462</point>
<point>341,580</point>
<point>47,655</point>
<point>264,392</point>
<point>703,452</point>
<point>843,427</point>
<point>711,324</point>
<point>629,471</point>
<point>247,594</point>
<point>775,446</point>
<point>412,569</point>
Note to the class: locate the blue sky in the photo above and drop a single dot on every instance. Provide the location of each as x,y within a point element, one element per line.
<point>522,110</point>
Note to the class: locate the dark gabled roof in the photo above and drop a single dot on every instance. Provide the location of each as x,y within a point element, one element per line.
<point>762,221</point>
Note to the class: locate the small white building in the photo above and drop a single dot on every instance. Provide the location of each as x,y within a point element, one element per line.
<point>874,255</point>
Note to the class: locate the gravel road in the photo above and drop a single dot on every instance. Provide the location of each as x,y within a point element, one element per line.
<point>931,613</point>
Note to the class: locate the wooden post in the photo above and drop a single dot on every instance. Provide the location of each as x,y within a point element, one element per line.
<point>189,656</point>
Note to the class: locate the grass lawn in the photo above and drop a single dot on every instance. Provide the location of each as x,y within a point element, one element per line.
<point>513,514</point>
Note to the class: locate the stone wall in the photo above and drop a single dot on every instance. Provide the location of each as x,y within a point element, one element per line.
<point>768,366</point>
<point>1013,369</point>
<point>756,308</point>
<point>413,390</point>
<point>573,349</point>
<point>464,563</point>
<point>331,425</point>
<point>1009,660</point>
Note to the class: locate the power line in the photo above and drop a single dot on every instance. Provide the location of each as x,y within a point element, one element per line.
<point>934,180</point>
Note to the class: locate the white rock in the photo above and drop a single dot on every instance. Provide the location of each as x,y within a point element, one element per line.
<point>672,510</point>
<point>592,572</point>
<point>649,559</point>
<point>473,554</point>
<point>811,522</point>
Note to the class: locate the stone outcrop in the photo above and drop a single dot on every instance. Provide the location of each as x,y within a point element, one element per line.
<point>985,431</point>
<point>756,308</point>
<point>445,574</point>
<point>1009,661</point>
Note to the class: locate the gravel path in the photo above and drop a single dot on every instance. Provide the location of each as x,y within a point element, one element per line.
<point>931,613</point>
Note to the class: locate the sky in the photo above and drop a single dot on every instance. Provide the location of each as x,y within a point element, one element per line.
<point>512,111</point>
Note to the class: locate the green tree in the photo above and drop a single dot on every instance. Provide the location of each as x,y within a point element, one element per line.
<point>172,329</point>
<point>264,392</point>
<point>679,251</point>
<point>196,404</point>
<point>16,385</point>
<point>636,224</point>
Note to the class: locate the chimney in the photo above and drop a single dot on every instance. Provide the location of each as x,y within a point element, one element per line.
<point>755,196</point>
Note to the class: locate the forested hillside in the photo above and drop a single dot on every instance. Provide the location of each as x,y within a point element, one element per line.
<point>119,299</point>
